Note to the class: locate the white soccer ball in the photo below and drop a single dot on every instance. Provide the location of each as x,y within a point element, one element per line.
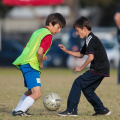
<point>52,101</point>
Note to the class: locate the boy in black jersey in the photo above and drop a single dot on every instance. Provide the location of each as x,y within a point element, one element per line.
<point>91,79</point>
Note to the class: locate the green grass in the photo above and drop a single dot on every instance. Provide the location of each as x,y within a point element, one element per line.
<point>58,81</point>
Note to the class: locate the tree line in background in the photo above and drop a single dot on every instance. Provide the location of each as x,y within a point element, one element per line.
<point>3,9</point>
<point>108,8</point>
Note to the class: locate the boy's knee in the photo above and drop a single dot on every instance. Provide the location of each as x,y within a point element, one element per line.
<point>77,82</point>
<point>88,93</point>
<point>38,95</point>
<point>36,92</point>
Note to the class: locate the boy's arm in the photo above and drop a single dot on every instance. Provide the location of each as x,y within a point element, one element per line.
<point>40,56</point>
<point>89,59</point>
<point>75,54</point>
<point>44,46</point>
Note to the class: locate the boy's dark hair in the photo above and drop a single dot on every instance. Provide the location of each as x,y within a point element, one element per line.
<point>82,22</point>
<point>55,18</point>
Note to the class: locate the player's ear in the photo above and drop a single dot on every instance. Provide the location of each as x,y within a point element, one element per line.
<point>84,28</point>
<point>50,24</point>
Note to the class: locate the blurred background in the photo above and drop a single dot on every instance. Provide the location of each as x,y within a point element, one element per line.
<point>19,20</point>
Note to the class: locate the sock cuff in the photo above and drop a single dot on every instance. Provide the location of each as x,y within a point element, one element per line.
<point>29,99</point>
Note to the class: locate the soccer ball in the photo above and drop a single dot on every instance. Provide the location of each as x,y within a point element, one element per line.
<point>52,101</point>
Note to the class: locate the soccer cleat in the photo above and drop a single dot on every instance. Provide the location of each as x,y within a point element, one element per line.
<point>67,113</point>
<point>105,112</point>
<point>20,113</point>
<point>25,111</point>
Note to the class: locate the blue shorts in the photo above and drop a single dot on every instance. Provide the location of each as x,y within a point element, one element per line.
<point>31,76</point>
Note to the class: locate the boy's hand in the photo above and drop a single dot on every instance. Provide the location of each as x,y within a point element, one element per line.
<point>62,47</point>
<point>45,58</point>
<point>41,66</point>
<point>78,69</point>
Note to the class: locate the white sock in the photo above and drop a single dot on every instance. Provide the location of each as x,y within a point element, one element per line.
<point>20,102</point>
<point>26,104</point>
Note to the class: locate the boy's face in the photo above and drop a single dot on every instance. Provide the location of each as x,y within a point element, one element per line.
<point>81,32</point>
<point>54,29</point>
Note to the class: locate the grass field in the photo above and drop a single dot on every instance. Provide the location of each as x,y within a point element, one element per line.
<point>58,81</point>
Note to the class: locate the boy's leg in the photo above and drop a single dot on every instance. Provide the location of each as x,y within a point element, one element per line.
<point>20,102</point>
<point>94,99</point>
<point>29,100</point>
<point>91,96</point>
<point>73,99</point>
<point>32,81</point>
<point>74,96</point>
<point>27,93</point>
<point>36,93</point>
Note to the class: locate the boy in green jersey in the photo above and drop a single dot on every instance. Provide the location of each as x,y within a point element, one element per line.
<point>31,61</point>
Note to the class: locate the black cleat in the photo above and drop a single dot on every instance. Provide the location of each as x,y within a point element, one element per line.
<point>67,113</point>
<point>105,112</point>
<point>20,113</point>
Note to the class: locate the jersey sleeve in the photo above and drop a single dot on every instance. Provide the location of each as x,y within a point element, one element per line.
<point>91,47</point>
<point>46,42</point>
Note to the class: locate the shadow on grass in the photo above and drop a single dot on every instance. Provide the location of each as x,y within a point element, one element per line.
<point>45,112</point>
<point>6,110</point>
